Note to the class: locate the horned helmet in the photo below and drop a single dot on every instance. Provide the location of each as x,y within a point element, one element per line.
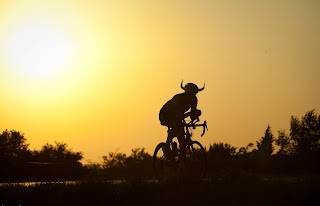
<point>191,88</point>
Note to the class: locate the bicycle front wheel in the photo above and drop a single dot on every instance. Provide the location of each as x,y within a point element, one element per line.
<point>195,163</point>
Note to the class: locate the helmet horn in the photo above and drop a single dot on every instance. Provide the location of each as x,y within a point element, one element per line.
<point>182,87</point>
<point>202,87</point>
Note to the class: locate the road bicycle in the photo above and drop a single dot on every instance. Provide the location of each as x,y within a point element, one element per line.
<point>189,161</point>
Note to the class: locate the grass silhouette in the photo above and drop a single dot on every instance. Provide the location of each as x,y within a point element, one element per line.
<point>233,189</point>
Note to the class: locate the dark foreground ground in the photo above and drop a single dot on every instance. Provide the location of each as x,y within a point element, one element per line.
<point>230,190</point>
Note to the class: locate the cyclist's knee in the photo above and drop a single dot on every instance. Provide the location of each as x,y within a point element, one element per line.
<point>170,136</point>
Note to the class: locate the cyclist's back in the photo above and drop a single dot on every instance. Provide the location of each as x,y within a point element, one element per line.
<point>176,107</point>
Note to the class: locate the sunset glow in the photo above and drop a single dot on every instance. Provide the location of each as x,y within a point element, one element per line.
<point>35,51</point>
<point>95,74</point>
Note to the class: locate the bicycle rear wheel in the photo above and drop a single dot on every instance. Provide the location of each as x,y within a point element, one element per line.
<point>194,164</point>
<point>162,167</point>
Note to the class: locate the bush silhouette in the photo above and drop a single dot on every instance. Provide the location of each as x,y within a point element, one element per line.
<point>299,153</point>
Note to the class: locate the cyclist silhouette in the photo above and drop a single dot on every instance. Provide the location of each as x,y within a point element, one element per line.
<point>175,110</point>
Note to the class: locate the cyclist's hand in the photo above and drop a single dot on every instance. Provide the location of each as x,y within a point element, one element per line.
<point>195,114</point>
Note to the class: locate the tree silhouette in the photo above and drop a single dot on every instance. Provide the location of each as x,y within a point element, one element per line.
<point>56,162</point>
<point>306,132</point>
<point>220,157</point>
<point>285,143</point>
<point>245,150</point>
<point>139,162</point>
<point>264,150</point>
<point>13,147</point>
<point>265,147</point>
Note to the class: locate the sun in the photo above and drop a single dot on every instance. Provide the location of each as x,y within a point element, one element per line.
<point>38,51</point>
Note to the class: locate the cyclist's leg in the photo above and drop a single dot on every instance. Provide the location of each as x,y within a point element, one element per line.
<point>176,126</point>
<point>166,149</point>
<point>165,120</point>
<point>174,132</point>
<point>181,134</point>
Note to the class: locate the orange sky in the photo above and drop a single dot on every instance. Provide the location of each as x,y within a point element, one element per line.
<point>95,74</point>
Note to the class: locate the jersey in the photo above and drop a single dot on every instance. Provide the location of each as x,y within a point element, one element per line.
<point>174,109</point>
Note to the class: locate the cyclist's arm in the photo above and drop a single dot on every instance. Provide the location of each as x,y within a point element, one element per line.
<point>194,105</point>
<point>194,113</point>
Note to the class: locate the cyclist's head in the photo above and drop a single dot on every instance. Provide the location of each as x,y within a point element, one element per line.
<point>191,88</point>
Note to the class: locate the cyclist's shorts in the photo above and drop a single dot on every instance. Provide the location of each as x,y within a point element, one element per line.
<point>169,120</point>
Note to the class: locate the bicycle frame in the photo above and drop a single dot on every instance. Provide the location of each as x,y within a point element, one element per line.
<point>192,124</point>
<point>188,135</point>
